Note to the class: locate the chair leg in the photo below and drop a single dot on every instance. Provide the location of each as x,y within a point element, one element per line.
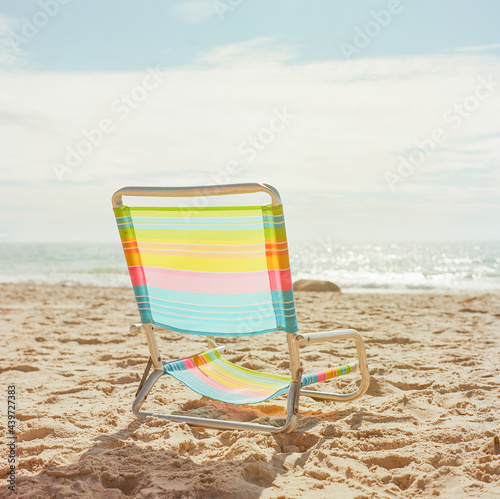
<point>144,391</point>
<point>290,423</point>
<point>144,376</point>
<point>305,339</point>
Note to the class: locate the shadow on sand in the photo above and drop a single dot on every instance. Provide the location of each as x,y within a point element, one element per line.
<point>154,458</point>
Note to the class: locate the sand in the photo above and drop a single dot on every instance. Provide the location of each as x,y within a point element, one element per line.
<point>427,427</point>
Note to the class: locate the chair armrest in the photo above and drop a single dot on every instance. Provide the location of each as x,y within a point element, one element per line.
<point>136,328</point>
<point>341,334</point>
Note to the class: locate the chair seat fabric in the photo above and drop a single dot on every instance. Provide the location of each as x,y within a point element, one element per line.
<point>212,376</point>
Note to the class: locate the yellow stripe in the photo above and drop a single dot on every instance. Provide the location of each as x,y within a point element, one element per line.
<point>230,383</point>
<point>222,362</point>
<point>200,253</point>
<point>214,372</point>
<point>207,264</point>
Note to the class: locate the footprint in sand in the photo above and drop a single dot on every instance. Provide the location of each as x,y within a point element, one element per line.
<point>411,385</point>
<point>379,387</point>
<point>24,368</point>
<point>259,473</point>
<point>33,433</point>
<point>123,380</point>
<point>115,481</point>
<point>389,462</point>
<point>473,311</point>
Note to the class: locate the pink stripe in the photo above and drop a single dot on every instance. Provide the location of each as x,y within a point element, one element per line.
<point>189,363</point>
<point>211,282</point>
<point>137,276</point>
<point>321,376</point>
<point>191,367</point>
<point>281,280</point>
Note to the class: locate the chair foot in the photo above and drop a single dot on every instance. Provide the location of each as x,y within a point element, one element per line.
<point>144,392</point>
<point>334,397</point>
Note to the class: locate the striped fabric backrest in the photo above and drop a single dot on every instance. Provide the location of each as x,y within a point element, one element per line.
<point>215,271</point>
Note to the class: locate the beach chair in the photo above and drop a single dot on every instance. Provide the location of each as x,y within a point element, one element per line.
<point>221,271</point>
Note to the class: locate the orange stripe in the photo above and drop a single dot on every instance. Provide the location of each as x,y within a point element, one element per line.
<point>133,257</point>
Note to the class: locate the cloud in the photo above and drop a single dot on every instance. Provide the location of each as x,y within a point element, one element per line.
<point>212,122</point>
<point>477,48</point>
<point>194,11</point>
<point>256,52</point>
<point>7,24</point>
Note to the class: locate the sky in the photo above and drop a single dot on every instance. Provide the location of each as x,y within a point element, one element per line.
<point>376,120</point>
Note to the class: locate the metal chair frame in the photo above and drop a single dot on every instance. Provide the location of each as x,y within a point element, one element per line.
<point>294,340</point>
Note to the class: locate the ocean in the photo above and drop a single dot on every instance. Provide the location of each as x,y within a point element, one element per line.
<point>355,267</point>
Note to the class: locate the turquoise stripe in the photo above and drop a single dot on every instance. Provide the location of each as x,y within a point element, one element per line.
<point>144,311</point>
<point>204,311</point>
<point>209,311</point>
<point>211,315</point>
<point>218,310</point>
<point>216,333</point>
<point>273,218</point>
<point>216,326</point>
<point>254,315</point>
<point>205,299</point>
<point>309,379</point>
<point>120,220</point>
<point>286,320</point>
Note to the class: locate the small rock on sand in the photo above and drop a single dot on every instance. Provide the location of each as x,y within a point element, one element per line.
<point>314,285</point>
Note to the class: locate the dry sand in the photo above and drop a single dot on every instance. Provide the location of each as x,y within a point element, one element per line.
<point>427,427</point>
